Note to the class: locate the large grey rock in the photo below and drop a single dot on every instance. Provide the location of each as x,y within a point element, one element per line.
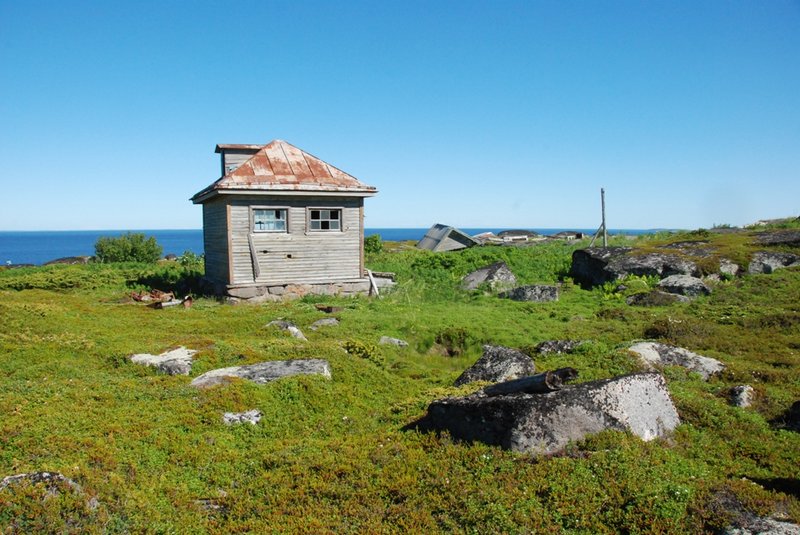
<point>264,372</point>
<point>655,298</point>
<point>684,285</point>
<point>767,262</point>
<point>762,526</point>
<point>546,423</point>
<point>597,265</point>
<point>497,364</point>
<point>248,417</point>
<point>557,346</point>
<point>538,293</point>
<point>656,354</point>
<point>288,326</point>
<point>175,362</point>
<point>324,322</point>
<point>729,268</point>
<point>743,521</point>
<point>789,237</point>
<point>742,396</point>
<point>389,341</point>
<point>498,276</point>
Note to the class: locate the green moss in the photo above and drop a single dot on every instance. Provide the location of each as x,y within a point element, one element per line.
<point>332,455</point>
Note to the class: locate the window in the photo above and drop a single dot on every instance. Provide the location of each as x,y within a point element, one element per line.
<point>269,219</point>
<point>324,219</point>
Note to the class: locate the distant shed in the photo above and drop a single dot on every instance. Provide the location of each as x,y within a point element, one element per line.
<point>280,217</point>
<point>444,238</point>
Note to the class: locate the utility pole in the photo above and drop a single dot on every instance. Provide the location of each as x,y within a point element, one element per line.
<point>603,206</point>
<point>603,224</point>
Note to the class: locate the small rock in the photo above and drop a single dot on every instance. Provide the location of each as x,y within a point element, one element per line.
<point>288,326</point>
<point>557,346</point>
<point>656,354</point>
<point>498,276</point>
<point>655,298</point>
<point>767,262</point>
<point>324,322</point>
<point>389,341</point>
<point>726,267</point>
<point>264,372</point>
<point>497,364</point>
<point>537,293</point>
<point>742,396</point>
<point>175,362</point>
<point>251,417</point>
<point>546,423</point>
<point>684,285</point>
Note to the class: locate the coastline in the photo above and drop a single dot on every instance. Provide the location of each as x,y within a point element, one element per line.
<point>37,247</point>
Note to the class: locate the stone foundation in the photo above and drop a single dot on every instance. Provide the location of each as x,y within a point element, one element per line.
<point>279,292</point>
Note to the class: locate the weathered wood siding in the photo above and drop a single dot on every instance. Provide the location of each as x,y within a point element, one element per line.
<point>235,157</point>
<point>215,240</point>
<point>298,256</point>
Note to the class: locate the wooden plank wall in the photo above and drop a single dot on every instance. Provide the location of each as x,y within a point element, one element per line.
<point>215,240</point>
<point>298,256</point>
<point>235,157</point>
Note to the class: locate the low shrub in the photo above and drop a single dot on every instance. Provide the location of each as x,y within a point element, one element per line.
<point>130,247</point>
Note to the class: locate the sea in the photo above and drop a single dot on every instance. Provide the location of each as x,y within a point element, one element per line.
<point>38,247</point>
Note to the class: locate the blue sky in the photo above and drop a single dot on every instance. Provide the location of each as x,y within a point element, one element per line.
<point>474,114</point>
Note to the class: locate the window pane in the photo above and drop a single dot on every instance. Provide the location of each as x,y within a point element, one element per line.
<point>314,214</point>
<point>334,225</point>
<point>315,225</point>
<point>334,214</point>
<point>269,220</point>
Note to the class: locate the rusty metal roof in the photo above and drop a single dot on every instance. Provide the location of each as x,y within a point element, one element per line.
<point>233,146</point>
<point>281,167</point>
<point>445,238</point>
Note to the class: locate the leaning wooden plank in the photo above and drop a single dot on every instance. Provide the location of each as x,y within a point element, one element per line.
<point>254,257</point>
<point>372,285</point>
<point>541,383</point>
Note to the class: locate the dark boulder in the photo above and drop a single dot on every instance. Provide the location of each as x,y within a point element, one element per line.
<point>538,293</point>
<point>655,298</point>
<point>546,423</point>
<point>598,265</point>
<point>789,237</point>
<point>684,285</point>
<point>498,276</point>
<point>497,364</point>
<point>767,262</point>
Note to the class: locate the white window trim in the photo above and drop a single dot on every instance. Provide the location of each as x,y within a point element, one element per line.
<point>253,228</point>
<point>340,209</point>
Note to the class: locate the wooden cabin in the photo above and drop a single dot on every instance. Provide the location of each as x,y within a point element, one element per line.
<point>280,217</point>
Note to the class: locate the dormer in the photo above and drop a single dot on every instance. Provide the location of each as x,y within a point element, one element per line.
<point>232,156</point>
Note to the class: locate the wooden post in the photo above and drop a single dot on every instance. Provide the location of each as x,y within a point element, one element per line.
<point>534,384</point>
<point>603,206</point>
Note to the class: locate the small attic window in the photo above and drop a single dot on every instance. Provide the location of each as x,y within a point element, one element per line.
<point>269,219</point>
<point>319,219</point>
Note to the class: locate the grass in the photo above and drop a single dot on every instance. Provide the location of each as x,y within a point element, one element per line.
<point>332,456</point>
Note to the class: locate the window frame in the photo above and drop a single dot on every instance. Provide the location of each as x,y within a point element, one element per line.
<point>284,209</point>
<point>339,209</point>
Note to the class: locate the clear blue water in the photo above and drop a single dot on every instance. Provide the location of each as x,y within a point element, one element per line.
<point>38,247</point>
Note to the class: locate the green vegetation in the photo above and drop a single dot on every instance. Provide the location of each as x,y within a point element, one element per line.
<point>130,247</point>
<point>332,456</point>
